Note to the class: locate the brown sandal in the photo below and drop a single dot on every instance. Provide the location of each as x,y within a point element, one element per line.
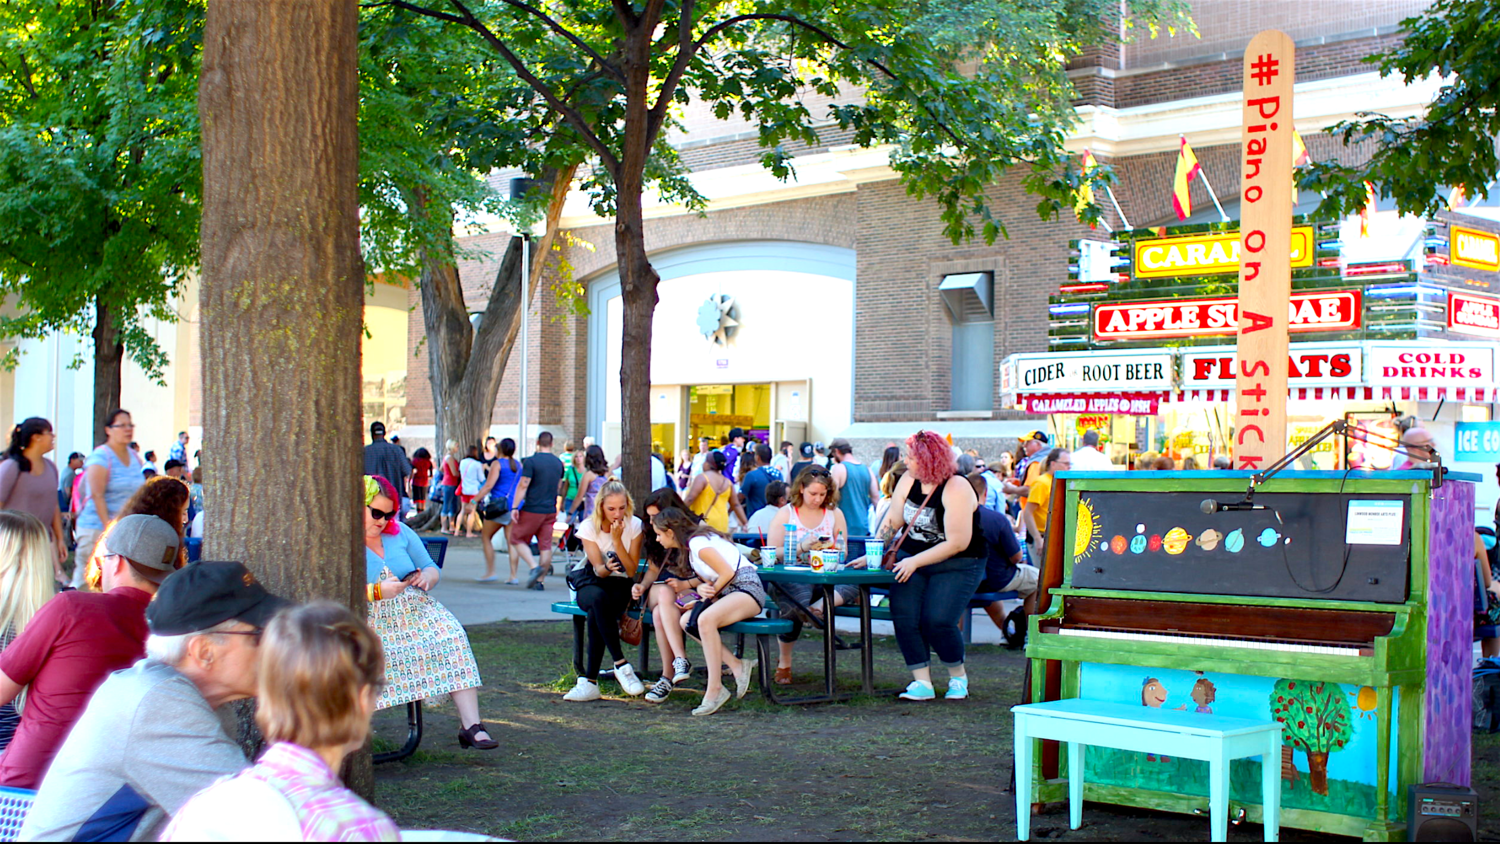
<point>783,677</point>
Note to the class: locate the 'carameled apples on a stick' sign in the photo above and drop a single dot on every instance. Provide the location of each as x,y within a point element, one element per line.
<point>1265,249</point>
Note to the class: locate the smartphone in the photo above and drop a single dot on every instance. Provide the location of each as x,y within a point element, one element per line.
<point>613,561</point>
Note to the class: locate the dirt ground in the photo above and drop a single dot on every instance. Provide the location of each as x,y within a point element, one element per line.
<point>868,770</point>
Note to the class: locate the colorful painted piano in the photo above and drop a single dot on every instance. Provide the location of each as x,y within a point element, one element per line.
<point>1341,608</point>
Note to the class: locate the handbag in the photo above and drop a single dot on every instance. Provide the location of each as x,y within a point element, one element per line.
<point>583,575</point>
<point>888,559</point>
<point>632,629</point>
<point>495,508</point>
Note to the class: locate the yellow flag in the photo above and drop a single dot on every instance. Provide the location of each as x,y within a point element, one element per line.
<point>1364,213</point>
<point>1086,190</point>
<point>1187,169</point>
<point>1299,151</point>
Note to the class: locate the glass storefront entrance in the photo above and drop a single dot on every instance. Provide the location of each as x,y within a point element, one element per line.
<point>713,409</point>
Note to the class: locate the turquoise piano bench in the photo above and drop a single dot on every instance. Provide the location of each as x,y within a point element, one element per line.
<point>1188,735</point>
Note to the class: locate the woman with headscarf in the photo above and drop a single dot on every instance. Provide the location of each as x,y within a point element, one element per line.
<point>429,650</point>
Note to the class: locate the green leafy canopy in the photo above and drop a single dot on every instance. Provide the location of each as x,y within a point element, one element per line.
<point>99,163</point>
<point>961,93</point>
<point>1452,144</point>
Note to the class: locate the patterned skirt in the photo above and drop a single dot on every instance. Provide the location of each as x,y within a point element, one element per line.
<point>427,652</point>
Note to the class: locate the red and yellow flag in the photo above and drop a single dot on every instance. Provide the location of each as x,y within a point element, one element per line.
<point>1299,151</point>
<point>1364,213</point>
<point>1457,198</point>
<point>1187,170</point>
<point>1086,190</point>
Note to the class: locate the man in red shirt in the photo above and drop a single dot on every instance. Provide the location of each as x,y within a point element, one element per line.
<point>77,639</point>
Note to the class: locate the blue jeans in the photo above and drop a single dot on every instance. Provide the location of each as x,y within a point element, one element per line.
<point>928,608</point>
<point>450,500</point>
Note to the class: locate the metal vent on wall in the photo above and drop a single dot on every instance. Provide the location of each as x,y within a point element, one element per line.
<point>969,297</point>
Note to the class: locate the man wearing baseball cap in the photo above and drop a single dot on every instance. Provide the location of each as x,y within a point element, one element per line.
<point>387,460</point>
<point>149,738</point>
<point>1030,468</point>
<point>733,450</point>
<point>76,640</point>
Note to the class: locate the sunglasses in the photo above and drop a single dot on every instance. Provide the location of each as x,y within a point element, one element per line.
<point>377,515</point>
<point>255,635</point>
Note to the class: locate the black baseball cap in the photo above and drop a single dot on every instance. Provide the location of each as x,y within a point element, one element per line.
<point>208,593</point>
<point>807,449</point>
<point>377,429</point>
<point>1038,436</point>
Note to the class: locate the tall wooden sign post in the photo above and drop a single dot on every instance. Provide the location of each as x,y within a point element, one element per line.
<point>1265,251</point>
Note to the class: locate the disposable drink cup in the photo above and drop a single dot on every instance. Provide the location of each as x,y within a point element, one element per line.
<point>816,560</point>
<point>874,550</point>
<point>768,556</point>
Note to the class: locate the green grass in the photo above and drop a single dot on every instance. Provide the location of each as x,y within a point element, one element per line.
<point>622,769</point>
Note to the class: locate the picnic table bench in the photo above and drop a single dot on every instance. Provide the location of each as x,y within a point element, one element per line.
<point>1144,729</point>
<point>978,602</point>
<point>761,628</point>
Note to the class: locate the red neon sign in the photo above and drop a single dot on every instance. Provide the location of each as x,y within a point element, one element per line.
<point>1335,310</point>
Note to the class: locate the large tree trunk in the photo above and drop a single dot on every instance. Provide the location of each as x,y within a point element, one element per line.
<point>465,365</point>
<point>282,298</point>
<point>638,281</point>
<point>109,357</point>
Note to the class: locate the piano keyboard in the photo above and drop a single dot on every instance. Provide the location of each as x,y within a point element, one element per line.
<point>1215,641</point>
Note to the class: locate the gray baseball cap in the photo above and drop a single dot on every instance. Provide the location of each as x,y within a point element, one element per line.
<point>148,542</point>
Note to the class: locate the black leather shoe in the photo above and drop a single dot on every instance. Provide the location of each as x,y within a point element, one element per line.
<point>466,738</point>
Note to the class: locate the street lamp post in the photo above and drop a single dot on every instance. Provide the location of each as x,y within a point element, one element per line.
<point>519,188</point>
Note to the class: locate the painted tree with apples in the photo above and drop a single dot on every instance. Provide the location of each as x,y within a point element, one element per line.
<point>1315,719</point>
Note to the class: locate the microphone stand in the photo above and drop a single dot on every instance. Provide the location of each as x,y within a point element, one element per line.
<point>1339,427</point>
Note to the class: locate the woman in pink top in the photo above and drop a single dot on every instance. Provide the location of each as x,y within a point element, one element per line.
<point>814,512</point>
<point>320,670</point>
<point>28,482</point>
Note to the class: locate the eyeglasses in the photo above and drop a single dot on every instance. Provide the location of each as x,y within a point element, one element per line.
<point>253,634</point>
<point>122,425</point>
<point>378,515</point>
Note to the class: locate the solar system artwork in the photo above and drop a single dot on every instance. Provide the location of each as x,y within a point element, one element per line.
<point>1172,545</point>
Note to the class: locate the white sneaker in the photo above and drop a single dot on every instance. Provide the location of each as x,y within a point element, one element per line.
<point>682,670</point>
<point>585,691</point>
<point>625,676</point>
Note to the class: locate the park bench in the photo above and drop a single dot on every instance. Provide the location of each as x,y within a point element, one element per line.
<point>1144,729</point>
<point>437,549</point>
<point>761,628</point>
<point>978,602</point>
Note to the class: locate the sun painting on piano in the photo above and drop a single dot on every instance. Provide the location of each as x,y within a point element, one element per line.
<point>1364,702</point>
<point>1087,532</point>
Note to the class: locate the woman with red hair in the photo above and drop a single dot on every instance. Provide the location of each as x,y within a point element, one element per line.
<point>429,653</point>
<point>940,561</point>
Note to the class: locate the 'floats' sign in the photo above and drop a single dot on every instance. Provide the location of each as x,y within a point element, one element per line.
<point>1265,250</point>
<point>1206,254</point>
<point>1327,310</point>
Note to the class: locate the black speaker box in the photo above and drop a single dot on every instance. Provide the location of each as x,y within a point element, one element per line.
<point>1442,812</point>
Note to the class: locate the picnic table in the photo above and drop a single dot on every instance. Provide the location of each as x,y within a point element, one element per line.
<point>827,580</point>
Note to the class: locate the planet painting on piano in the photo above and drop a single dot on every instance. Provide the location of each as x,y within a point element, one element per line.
<point>1087,532</point>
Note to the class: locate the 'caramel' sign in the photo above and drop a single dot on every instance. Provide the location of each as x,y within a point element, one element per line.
<point>1476,249</point>
<point>1207,254</point>
<point>1329,310</point>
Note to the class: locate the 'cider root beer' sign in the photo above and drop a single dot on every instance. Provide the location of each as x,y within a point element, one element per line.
<point>1265,249</point>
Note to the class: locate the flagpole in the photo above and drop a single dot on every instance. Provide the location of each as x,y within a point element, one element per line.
<point>1116,203</point>
<point>1224,218</point>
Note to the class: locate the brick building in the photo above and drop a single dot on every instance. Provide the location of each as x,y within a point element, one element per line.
<point>834,278</point>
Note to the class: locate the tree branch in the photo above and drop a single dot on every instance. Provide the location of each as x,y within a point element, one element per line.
<point>25,76</point>
<point>685,53</point>
<point>467,19</point>
<point>625,14</point>
<point>831,39</point>
<point>567,34</point>
<point>420,10</point>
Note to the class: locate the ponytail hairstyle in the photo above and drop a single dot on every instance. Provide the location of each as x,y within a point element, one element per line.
<point>20,438</point>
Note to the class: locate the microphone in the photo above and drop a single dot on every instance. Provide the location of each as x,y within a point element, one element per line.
<point>1210,506</point>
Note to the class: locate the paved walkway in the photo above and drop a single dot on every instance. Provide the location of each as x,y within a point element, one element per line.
<point>483,603</point>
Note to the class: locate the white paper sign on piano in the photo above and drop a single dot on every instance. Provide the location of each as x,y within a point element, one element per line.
<point>1374,522</point>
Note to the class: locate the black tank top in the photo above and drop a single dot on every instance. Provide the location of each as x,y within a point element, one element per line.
<point>927,522</point>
